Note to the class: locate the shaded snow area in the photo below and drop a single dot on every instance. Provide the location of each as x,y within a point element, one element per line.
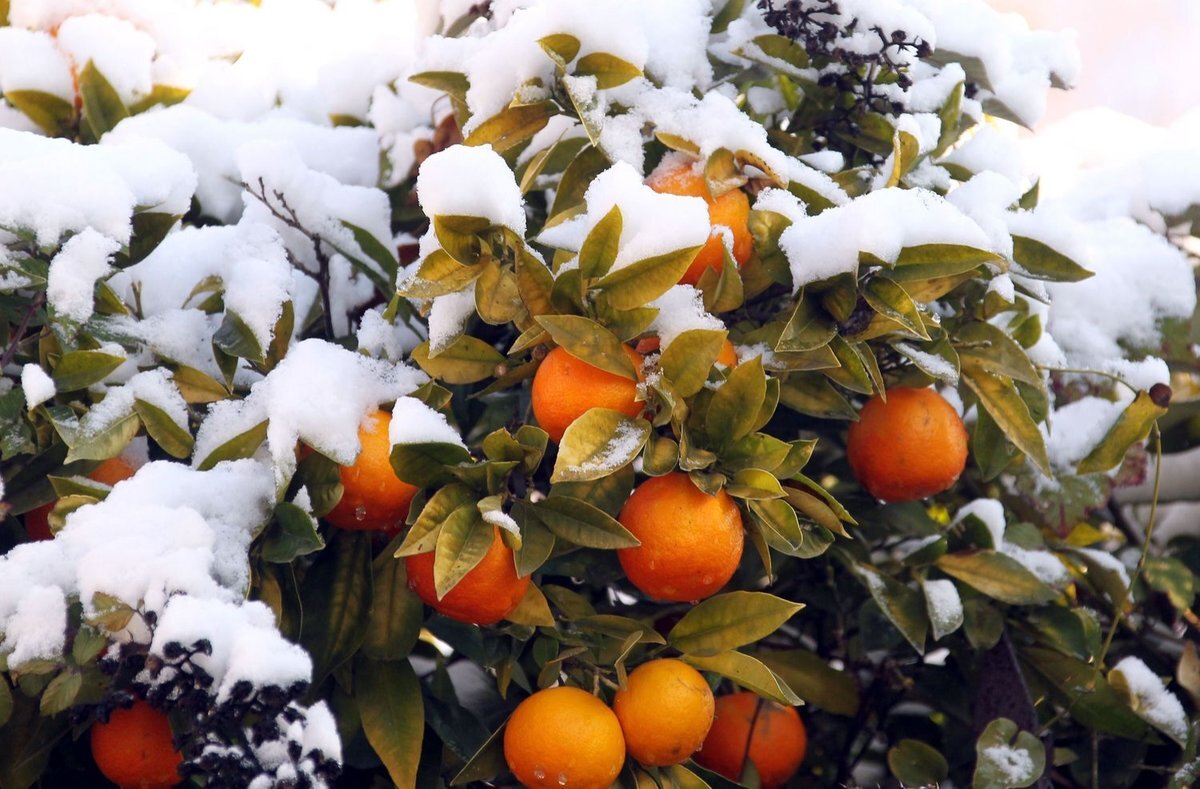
<point>1150,699</point>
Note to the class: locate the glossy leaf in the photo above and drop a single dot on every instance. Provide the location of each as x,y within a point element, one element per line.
<point>748,672</point>
<point>729,621</point>
<point>1132,426</point>
<point>597,443</point>
<point>590,342</point>
<point>389,701</point>
<point>998,576</point>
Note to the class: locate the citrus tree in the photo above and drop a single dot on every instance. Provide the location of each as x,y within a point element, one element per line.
<point>576,393</point>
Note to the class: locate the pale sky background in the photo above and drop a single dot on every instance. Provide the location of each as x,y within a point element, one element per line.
<point>1139,58</point>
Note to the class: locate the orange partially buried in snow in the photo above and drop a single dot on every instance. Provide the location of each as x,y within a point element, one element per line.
<point>679,175</point>
<point>373,497</point>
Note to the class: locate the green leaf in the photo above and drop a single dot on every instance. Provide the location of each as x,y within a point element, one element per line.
<point>102,105</point>
<point>989,348</point>
<point>197,388</point>
<point>608,493</point>
<point>890,300</point>
<point>904,607</point>
<point>533,610</point>
<point>733,410</point>
<point>396,612</point>
<point>1132,426</point>
<point>748,672</point>
<point>537,542</point>
<point>779,526</point>
<point>235,339</point>
<point>998,576</point>
<point>561,47</point>
<point>729,621</point>
<point>294,533</point>
<point>1173,578</point>
<point>463,541</point>
<point>814,680</point>
<point>389,700</point>
<point>336,600</point>
<point>590,342</point>
<point>149,229</point>
<point>422,536</point>
<point>466,361</point>
<point>609,70</point>
<point>175,440</point>
<point>730,11</point>
<point>931,261</point>
<point>1000,398</point>
<point>6,702</point>
<point>582,524</point>
<point>106,443</point>
<point>80,369</point>
<point>512,125</point>
<point>164,95</point>
<point>917,763</point>
<point>599,250</point>
<point>487,763</point>
<point>597,443</point>
<point>1093,702</point>
<point>60,694</point>
<point>814,395</point>
<point>1007,758</point>
<point>807,329</point>
<point>379,254</point>
<point>1041,261</point>
<point>644,281</point>
<point>905,149</point>
<point>451,82</point>
<point>53,114</point>
<point>243,445</point>
<point>754,483</point>
<point>687,361</point>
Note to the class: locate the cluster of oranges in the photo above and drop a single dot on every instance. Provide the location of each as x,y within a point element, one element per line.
<point>665,715</point>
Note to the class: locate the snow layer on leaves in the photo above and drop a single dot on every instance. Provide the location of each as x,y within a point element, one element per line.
<point>318,394</point>
<point>881,223</point>
<point>36,630</point>
<point>30,60</point>
<point>52,187</point>
<point>1151,700</point>
<point>944,605</point>
<point>448,317</point>
<point>651,223</point>
<point>465,180</point>
<point>1043,564</point>
<point>74,271</point>
<point>377,337</point>
<point>119,51</point>
<point>155,386</point>
<point>681,309</point>
<point>1074,429</point>
<point>1015,764</point>
<point>413,422</point>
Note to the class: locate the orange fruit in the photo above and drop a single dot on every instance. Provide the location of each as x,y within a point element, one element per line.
<point>728,355</point>
<point>665,710</point>
<point>373,497</point>
<point>110,472</point>
<point>564,737</point>
<point>484,596</point>
<point>912,446</point>
<point>691,541</point>
<point>134,749</point>
<point>566,387</point>
<point>776,746</point>
<point>677,175</point>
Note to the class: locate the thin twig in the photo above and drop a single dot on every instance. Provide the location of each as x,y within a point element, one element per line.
<point>19,336</point>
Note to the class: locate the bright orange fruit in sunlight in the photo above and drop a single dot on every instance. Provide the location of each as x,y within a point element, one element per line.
<point>691,541</point>
<point>565,388</point>
<point>677,175</point>
<point>665,710</point>
<point>777,741</point>
<point>910,447</point>
<point>484,596</point>
<point>564,737</point>
<point>373,497</point>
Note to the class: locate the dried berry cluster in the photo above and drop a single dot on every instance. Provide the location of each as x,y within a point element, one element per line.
<point>854,76</point>
<point>252,737</point>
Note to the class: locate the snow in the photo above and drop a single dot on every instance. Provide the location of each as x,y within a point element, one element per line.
<point>119,51</point>
<point>681,309</point>
<point>651,223</point>
<point>782,202</point>
<point>944,605</point>
<point>36,630</point>
<point>413,422</point>
<point>1074,429</point>
<point>74,271</point>
<point>1015,764</point>
<point>616,452</point>
<point>467,180</point>
<point>993,147</point>
<point>881,223</point>
<point>1151,700</point>
<point>377,337</point>
<point>1108,562</point>
<point>30,60</point>
<point>503,521</point>
<point>1045,565</point>
<point>448,317</point>
<point>37,385</point>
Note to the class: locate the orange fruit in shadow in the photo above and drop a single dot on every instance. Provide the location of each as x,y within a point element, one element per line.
<point>665,711</point>
<point>691,541</point>
<point>910,447</point>
<point>566,387</point>
<point>134,749</point>
<point>484,596</point>
<point>373,497</point>
<point>776,745</point>
<point>678,175</point>
<point>110,472</point>
<point>564,737</point>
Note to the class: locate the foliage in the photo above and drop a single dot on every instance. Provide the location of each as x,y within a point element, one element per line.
<point>924,639</point>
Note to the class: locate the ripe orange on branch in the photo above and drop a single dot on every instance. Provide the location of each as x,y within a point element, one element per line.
<point>134,748</point>
<point>665,710</point>
<point>771,734</point>
<point>484,596</point>
<point>564,737</point>
<point>907,448</point>
<point>691,541</point>
<point>566,387</point>
<point>677,175</point>
<point>373,497</point>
